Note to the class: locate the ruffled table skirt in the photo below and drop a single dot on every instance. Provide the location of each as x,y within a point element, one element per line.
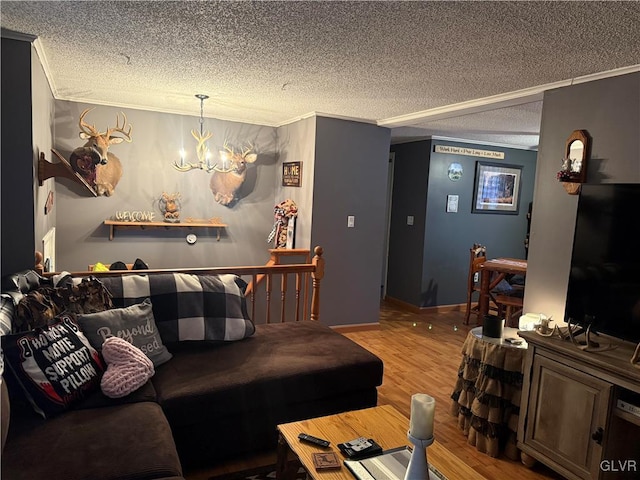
<point>486,397</point>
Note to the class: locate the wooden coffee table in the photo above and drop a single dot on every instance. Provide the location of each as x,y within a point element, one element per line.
<point>384,424</point>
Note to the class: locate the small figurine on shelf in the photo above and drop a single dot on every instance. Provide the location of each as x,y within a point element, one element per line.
<point>170,207</point>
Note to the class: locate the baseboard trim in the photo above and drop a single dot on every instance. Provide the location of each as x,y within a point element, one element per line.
<point>360,327</point>
<point>437,309</point>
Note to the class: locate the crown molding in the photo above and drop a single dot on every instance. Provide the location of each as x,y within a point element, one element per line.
<point>503,100</point>
<point>13,35</point>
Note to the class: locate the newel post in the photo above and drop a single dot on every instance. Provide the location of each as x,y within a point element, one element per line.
<point>316,275</point>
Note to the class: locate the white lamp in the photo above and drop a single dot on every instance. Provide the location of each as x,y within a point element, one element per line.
<point>421,435</point>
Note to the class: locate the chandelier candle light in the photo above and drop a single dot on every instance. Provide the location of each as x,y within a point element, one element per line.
<point>202,151</point>
<point>421,435</point>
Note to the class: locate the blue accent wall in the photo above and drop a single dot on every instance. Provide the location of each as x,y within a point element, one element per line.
<point>428,262</point>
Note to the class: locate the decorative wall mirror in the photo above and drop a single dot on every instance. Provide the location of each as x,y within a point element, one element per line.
<point>574,162</point>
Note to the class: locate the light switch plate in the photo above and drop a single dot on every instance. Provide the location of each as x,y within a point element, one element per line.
<point>409,219</point>
<point>452,203</point>
<point>351,221</point>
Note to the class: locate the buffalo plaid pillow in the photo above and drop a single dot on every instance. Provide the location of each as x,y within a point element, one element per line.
<point>205,308</point>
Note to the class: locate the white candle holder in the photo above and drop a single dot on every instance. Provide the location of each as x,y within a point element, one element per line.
<point>418,468</point>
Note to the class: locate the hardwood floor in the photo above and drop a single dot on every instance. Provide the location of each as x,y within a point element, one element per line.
<point>421,353</point>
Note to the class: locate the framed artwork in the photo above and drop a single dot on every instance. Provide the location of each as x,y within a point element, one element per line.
<point>292,174</point>
<point>496,188</point>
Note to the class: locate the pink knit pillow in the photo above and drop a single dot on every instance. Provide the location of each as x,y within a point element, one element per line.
<point>127,368</point>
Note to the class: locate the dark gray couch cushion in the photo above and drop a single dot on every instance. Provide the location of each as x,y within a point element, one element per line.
<point>93,444</point>
<point>280,364</point>
<point>283,373</point>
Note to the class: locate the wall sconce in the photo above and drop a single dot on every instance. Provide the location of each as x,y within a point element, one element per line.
<point>202,151</point>
<point>574,163</point>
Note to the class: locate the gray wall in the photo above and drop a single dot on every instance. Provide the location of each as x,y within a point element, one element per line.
<point>82,239</point>
<point>350,179</point>
<point>429,261</point>
<point>16,198</point>
<point>344,173</point>
<point>296,143</point>
<point>43,116</point>
<point>609,110</point>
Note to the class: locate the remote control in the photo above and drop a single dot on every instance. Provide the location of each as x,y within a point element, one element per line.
<point>315,440</point>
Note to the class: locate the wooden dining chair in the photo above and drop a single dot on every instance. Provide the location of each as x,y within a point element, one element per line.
<point>510,308</point>
<point>477,256</point>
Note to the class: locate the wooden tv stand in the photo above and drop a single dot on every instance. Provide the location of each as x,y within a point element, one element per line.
<point>569,414</point>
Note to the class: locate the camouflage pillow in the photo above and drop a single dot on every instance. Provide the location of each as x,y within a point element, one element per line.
<point>39,307</point>
<point>35,310</point>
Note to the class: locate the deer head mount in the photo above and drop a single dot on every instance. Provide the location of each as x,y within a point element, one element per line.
<point>99,142</point>
<point>93,161</point>
<point>235,162</point>
<point>229,175</point>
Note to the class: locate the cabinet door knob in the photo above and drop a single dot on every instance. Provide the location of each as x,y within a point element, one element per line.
<point>598,435</point>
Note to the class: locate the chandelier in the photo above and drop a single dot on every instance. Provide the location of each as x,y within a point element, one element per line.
<point>202,151</point>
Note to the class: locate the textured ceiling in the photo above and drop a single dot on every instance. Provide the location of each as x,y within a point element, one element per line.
<point>420,68</point>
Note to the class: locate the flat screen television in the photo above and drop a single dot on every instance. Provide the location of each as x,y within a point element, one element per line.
<point>604,281</point>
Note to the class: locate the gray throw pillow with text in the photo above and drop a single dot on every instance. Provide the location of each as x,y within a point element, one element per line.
<point>135,324</point>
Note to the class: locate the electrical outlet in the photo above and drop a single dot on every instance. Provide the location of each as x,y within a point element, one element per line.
<point>476,276</point>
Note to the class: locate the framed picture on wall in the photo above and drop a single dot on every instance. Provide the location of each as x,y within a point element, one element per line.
<point>496,188</point>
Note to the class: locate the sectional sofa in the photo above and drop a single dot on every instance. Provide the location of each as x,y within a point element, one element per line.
<point>216,393</point>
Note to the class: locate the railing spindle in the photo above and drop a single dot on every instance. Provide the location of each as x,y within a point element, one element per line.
<point>283,297</point>
<point>254,283</point>
<point>317,276</point>
<point>298,284</point>
<point>268,298</point>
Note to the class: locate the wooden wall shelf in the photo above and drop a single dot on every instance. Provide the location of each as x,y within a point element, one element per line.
<point>63,169</point>
<point>114,224</point>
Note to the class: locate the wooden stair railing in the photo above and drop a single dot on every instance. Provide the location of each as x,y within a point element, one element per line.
<point>275,258</point>
<point>275,255</point>
<point>313,269</point>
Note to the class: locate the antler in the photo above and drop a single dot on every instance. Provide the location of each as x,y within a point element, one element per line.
<point>88,130</point>
<point>119,129</point>
<point>230,154</point>
<point>201,151</point>
<point>226,156</point>
<point>248,150</point>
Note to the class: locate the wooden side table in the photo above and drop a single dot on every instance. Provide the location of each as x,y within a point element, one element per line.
<point>486,396</point>
<point>384,424</point>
